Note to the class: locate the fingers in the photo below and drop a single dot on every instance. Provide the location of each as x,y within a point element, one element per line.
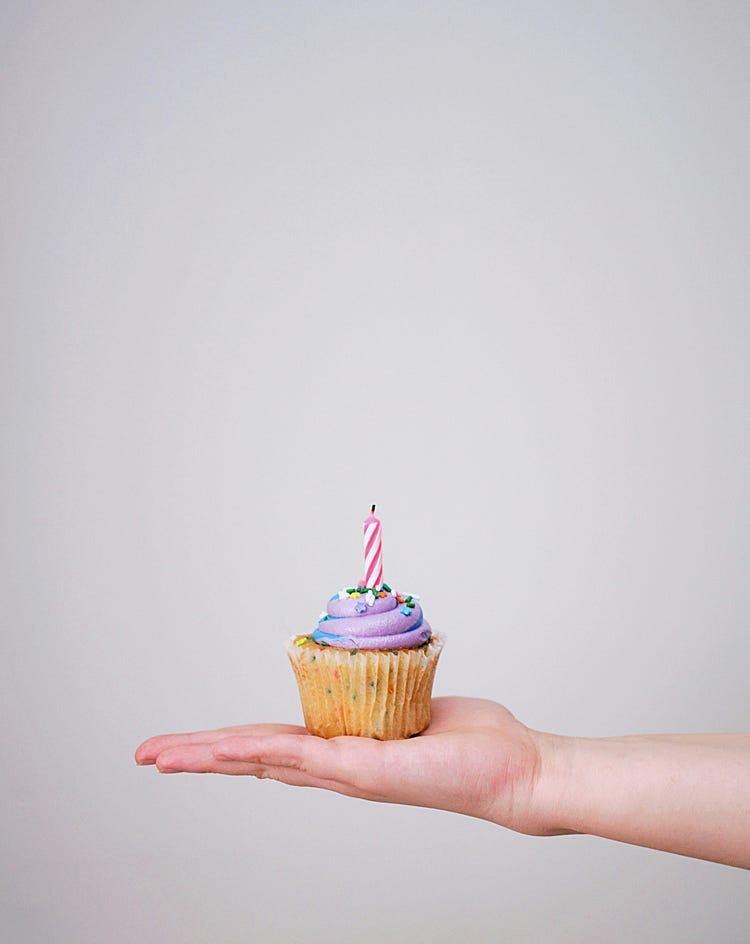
<point>355,766</point>
<point>246,749</point>
<point>283,765</point>
<point>151,748</point>
<point>197,759</point>
<point>347,765</point>
<point>302,751</point>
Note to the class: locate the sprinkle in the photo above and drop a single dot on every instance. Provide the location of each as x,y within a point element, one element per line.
<point>323,616</point>
<point>353,652</point>
<point>342,594</point>
<point>351,590</point>
<point>400,599</point>
<point>360,607</point>
<point>406,611</point>
<point>328,690</point>
<point>323,642</point>
<point>409,598</point>
<point>301,640</point>
<point>382,594</point>
<point>386,588</point>
<point>370,598</point>
<point>355,595</point>
<point>411,604</point>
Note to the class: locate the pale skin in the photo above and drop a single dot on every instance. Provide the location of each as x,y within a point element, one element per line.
<point>683,793</point>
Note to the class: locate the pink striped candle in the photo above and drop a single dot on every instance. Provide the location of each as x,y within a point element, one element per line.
<point>373,551</point>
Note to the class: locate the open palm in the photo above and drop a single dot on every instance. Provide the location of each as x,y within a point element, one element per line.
<point>474,758</point>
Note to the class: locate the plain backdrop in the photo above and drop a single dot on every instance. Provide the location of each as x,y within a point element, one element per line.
<point>263,264</point>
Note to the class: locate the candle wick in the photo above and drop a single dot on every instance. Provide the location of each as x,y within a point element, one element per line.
<point>372,510</point>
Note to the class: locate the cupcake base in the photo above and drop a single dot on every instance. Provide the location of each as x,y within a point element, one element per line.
<point>383,694</point>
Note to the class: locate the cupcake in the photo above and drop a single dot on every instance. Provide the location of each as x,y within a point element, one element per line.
<point>368,667</point>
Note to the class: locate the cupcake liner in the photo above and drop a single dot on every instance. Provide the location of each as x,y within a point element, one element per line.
<point>383,694</point>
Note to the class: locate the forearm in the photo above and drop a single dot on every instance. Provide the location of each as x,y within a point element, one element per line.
<point>688,794</point>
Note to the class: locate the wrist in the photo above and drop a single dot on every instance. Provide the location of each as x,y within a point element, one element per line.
<point>551,811</point>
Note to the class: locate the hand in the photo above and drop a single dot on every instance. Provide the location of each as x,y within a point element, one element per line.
<point>684,793</point>
<point>475,758</point>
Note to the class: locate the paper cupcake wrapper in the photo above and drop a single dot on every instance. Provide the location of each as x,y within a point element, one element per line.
<point>381,694</point>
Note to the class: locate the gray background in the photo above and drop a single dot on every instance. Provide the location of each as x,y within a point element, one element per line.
<point>485,264</point>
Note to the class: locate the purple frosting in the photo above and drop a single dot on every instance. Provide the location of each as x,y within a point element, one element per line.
<point>383,624</point>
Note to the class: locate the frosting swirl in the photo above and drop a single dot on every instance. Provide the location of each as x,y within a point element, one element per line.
<point>372,619</point>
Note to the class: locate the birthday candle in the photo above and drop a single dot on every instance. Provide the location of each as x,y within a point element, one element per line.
<point>373,551</point>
